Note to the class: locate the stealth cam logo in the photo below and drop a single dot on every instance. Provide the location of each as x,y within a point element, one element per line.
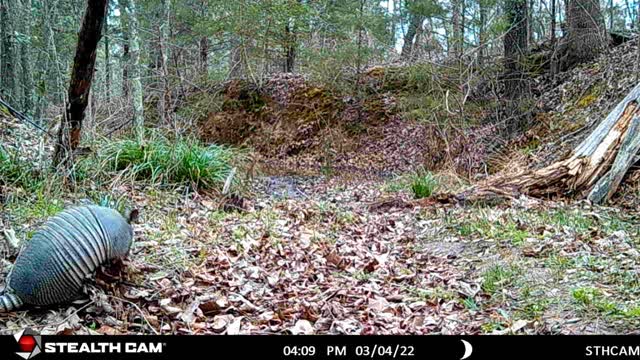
<point>29,343</point>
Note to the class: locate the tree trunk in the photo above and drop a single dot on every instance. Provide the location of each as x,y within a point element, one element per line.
<point>611,10</point>
<point>204,42</point>
<point>593,170</point>
<point>290,49</point>
<point>632,13</point>
<point>553,24</point>
<point>55,73</point>
<point>107,67</point>
<point>456,47</point>
<point>80,84</point>
<point>515,47</point>
<point>530,14</point>
<point>136,82</point>
<point>237,65</point>
<point>482,33</point>
<point>28,92</point>
<point>392,22</point>
<point>8,71</point>
<point>165,100</point>
<point>461,32</point>
<point>409,37</point>
<point>124,23</point>
<point>204,54</point>
<point>586,36</point>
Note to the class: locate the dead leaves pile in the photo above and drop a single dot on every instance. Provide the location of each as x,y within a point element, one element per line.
<point>316,259</point>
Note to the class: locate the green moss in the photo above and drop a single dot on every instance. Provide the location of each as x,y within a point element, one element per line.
<point>592,95</point>
<point>587,100</point>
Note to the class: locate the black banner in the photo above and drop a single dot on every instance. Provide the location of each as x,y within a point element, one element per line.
<point>30,345</point>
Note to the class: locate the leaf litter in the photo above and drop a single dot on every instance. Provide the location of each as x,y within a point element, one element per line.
<point>320,258</point>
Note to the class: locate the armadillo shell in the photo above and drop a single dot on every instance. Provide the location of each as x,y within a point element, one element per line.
<point>69,247</point>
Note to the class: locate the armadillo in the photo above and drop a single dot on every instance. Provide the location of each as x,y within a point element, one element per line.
<point>53,266</point>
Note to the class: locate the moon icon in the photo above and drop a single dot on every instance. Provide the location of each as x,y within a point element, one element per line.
<point>468,349</point>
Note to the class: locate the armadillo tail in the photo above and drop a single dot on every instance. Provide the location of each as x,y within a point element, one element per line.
<point>9,302</point>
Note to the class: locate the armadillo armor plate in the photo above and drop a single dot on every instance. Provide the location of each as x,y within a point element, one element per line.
<point>53,265</point>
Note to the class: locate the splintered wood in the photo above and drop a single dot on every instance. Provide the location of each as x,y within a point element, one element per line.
<point>594,170</point>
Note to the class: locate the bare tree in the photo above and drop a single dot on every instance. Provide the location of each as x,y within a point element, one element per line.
<point>586,34</point>
<point>130,18</point>
<point>515,46</point>
<point>8,64</point>
<point>27,94</point>
<point>414,24</point>
<point>458,28</point>
<point>81,77</point>
<point>204,43</point>
<point>164,50</point>
<point>124,27</point>
<point>482,32</point>
<point>237,59</point>
<point>107,65</point>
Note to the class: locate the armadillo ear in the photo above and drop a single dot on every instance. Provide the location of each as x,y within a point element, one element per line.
<point>131,215</point>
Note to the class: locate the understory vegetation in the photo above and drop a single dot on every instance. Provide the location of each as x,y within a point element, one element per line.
<point>161,161</point>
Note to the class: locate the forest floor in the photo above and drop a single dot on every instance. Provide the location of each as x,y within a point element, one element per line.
<point>357,254</point>
<point>330,255</point>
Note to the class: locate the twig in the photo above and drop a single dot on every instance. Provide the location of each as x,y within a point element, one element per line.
<point>70,315</point>
<point>139,310</point>
<point>446,102</point>
<point>227,183</point>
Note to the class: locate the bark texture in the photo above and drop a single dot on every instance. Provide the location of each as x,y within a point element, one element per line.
<point>586,34</point>
<point>80,85</point>
<point>515,47</point>
<point>408,46</point>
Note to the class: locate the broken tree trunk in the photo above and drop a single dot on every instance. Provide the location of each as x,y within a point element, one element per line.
<point>594,170</point>
<point>607,185</point>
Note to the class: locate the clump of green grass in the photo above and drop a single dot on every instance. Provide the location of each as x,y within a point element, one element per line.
<point>470,304</point>
<point>9,168</point>
<point>181,161</point>
<point>423,184</point>
<point>36,206</point>
<point>498,277</point>
<point>17,172</point>
<point>571,219</point>
<point>505,229</point>
<point>594,298</point>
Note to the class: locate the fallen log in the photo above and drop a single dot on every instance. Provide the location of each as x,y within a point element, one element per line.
<point>594,170</point>
<point>607,185</point>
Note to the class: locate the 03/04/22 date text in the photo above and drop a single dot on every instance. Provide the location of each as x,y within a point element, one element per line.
<point>372,351</point>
